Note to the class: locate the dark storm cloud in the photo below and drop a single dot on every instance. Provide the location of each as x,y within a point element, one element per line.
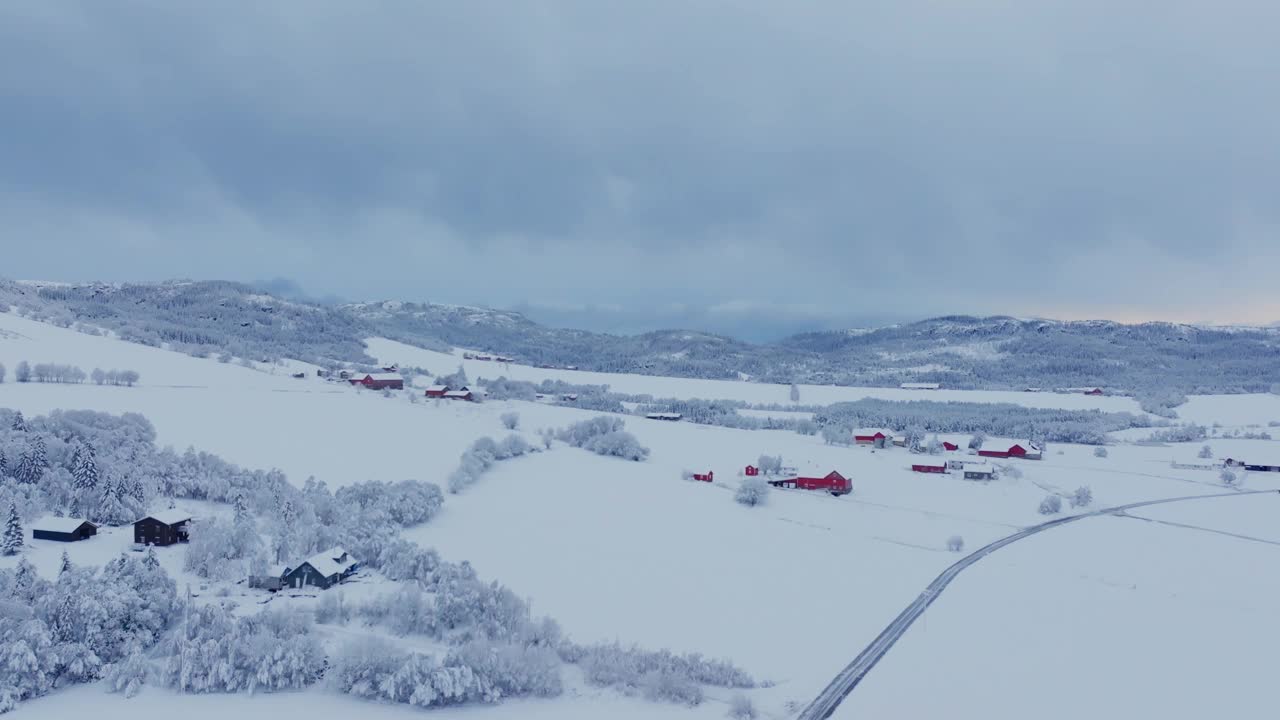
<point>840,158</point>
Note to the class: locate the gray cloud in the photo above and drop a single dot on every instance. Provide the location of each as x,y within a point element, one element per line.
<point>832,160</point>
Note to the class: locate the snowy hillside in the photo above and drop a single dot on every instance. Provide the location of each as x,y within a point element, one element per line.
<point>790,591</point>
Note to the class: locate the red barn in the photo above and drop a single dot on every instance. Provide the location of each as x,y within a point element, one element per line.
<point>993,453</point>
<point>752,471</point>
<point>708,477</point>
<point>833,482</point>
<point>462,393</point>
<point>1094,391</point>
<point>379,381</point>
<point>437,391</point>
<point>929,468</point>
<point>868,438</point>
<point>949,446</point>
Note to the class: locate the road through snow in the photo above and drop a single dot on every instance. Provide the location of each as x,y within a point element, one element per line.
<point>844,683</point>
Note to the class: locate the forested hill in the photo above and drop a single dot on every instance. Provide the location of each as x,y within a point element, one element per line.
<point>1149,359</point>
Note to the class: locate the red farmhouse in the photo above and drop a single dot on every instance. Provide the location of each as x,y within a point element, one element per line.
<point>378,381</point>
<point>437,391</point>
<point>708,477</point>
<point>870,439</point>
<point>833,482</point>
<point>752,471</point>
<point>929,468</point>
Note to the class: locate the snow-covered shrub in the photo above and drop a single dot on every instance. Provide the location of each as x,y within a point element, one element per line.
<point>129,675</point>
<point>805,426</point>
<point>1228,477</point>
<point>955,543</point>
<point>510,420</point>
<point>481,456</point>
<point>580,432</point>
<point>659,674</point>
<point>376,670</point>
<point>752,491</point>
<point>975,442</point>
<point>1051,505</point>
<point>1180,433</point>
<point>510,670</point>
<point>1100,451</point>
<point>620,444</point>
<point>836,435</point>
<point>670,686</point>
<point>221,549</point>
<point>219,652</point>
<point>741,708</point>
<point>1206,452</point>
<point>405,503</point>
<point>1082,497</point>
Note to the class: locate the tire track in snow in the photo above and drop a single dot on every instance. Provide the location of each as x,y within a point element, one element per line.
<point>844,683</point>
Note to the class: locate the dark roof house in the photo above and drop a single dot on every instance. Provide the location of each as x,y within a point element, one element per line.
<point>322,570</point>
<point>162,528</point>
<point>63,529</point>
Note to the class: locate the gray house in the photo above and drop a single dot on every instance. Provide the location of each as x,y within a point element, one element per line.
<point>322,570</point>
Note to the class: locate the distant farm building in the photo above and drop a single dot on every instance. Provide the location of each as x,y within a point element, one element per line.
<point>569,397</point>
<point>437,391</point>
<point>163,528</point>
<point>920,386</point>
<point>1256,463</point>
<point>378,381</point>
<point>877,438</point>
<point>833,482</point>
<point>462,393</point>
<point>1093,391</point>
<point>979,473</point>
<point>949,446</point>
<point>668,416</point>
<point>1030,452</point>
<point>708,476</point>
<point>751,471</point>
<point>63,529</point>
<point>925,468</point>
<point>322,570</point>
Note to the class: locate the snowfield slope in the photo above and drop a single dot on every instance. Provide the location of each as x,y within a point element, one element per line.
<point>791,590</point>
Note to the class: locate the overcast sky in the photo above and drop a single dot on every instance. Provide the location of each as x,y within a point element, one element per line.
<point>658,162</point>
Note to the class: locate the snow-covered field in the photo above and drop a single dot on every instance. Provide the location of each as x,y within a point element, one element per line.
<point>390,351</point>
<point>791,590</point>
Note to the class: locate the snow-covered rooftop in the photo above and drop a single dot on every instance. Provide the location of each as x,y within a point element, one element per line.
<point>333,561</point>
<point>385,377</point>
<point>169,517</point>
<point>58,524</point>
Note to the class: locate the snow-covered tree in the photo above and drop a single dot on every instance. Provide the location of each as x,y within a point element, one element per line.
<point>22,373</point>
<point>769,464</point>
<point>1051,505</point>
<point>1228,477</point>
<point>84,468</point>
<point>914,437</point>
<point>1206,452</point>
<point>12,542</point>
<point>955,543</point>
<point>741,708</point>
<point>934,446</point>
<point>98,376</point>
<point>65,564</point>
<point>4,466</point>
<point>510,420</point>
<point>1082,497</point>
<point>807,427</point>
<point>795,393</point>
<point>752,491</point>
<point>19,422</point>
<point>975,442</point>
<point>2,371</point>
<point>1100,451</point>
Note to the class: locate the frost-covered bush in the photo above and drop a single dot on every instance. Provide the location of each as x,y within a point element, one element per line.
<point>510,420</point>
<point>752,491</point>
<point>657,675</point>
<point>509,669</point>
<point>955,543</point>
<point>1228,477</point>
<point>975,442</point>
<point>1181,433</point>
<point>1051,505</point>
<point>806,426</point>
<point>620,444</point>
<point>741,708</point>
<point>405,503</point>
<point>1100,451</point>
<point>1206,452</point>
<point>219,652</point>
<point>481,456</point>
<point>129,675</point>
<point>221,549</point>
<point>1082,497</point>
<point>580,432</point>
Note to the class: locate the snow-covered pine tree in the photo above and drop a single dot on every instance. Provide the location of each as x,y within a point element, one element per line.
<point>112,510</point>
<point>65,565</point>
<point>4,466</point>
<point>11,543</point>
<point>19,422</point>
<point>84,468</point>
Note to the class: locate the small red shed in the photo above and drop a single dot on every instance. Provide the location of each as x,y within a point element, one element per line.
<point>437,391</point>
<point>993,453</point>
<point>949,446</point>
<point>707,477</point>
<point>870,439</point>
<point>752,471</point>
